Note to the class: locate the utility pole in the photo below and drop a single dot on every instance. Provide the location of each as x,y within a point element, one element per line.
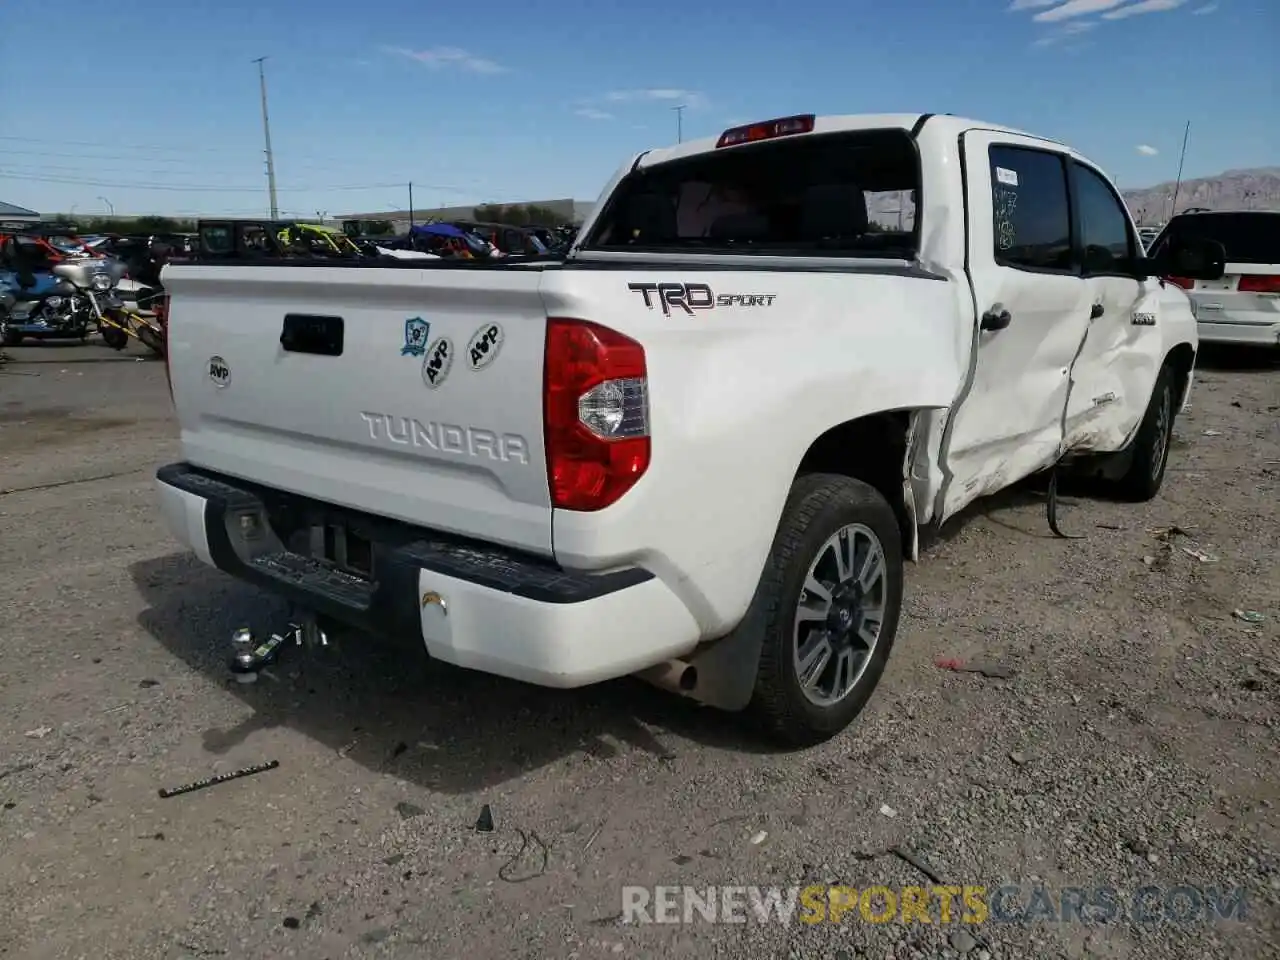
<point>410,204</point>
<point>266,134</point>
<point>1178,183</point>
<point>679,122</point>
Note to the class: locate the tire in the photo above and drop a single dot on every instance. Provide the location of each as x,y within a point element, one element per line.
<point>10,338</point>
<point>114,338</point>
<point>1150,450</point>
<point>818,509</point>
<point>151,340</point>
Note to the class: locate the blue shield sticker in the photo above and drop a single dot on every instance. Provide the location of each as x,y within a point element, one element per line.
<point>415,337</point>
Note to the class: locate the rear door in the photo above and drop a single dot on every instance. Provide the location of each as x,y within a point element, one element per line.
<point>1021,263</point>
<point>1245,302</point>
<point>1114,375</point>
<point>408,393</point>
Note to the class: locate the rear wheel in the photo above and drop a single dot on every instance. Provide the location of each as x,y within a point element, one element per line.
<point>832,594</point>
<point>8,337</point>
<point>1142,481</point>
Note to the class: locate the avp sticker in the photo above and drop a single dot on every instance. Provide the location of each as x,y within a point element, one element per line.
<point>415,337</point>
<point>1006,176</point>
<point>438,361</point>
<point>219,372</point>
<point>484,346</point>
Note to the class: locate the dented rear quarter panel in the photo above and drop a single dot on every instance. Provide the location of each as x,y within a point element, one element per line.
<point>738,394</point>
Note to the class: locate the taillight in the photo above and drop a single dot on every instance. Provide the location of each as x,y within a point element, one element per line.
<point>1186,283</point>
<point>595,398</point>
<point>1259,283</point>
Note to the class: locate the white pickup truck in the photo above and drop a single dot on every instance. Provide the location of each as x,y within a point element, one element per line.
<point>699,447</point>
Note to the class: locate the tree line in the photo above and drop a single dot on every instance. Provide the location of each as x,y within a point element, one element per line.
<point>126,225</point>
<point>518,215</point>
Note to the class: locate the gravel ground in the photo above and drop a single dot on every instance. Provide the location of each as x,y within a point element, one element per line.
<point>1135,744</point>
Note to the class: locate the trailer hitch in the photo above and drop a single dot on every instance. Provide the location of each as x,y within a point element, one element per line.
<point>249,656</point>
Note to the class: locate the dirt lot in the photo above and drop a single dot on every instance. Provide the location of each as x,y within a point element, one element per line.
<point>1136,744</point>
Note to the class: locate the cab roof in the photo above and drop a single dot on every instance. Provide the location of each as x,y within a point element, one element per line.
<point>842,123</point>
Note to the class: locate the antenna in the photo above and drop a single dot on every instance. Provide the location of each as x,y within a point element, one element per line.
<point>266,134</point>
<point>1178,183</point>
<point>679,122</point>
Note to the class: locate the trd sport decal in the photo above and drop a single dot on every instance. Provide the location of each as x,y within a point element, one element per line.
<point>1144,320</point>
<point>691,297</point>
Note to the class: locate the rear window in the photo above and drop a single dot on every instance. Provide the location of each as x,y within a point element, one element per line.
<point>1248,237</point>
<point>845,194</point>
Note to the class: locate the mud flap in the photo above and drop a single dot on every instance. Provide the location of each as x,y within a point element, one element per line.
<point>727,667</point>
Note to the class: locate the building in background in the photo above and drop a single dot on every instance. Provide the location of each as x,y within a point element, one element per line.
<point>15,217</point>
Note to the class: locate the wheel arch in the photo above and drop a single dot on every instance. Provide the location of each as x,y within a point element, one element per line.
<point>877,449</point>
<point>1181,359</point>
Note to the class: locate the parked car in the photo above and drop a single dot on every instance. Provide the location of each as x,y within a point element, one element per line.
<point>1148,236</point>
<point>521,241</point>
<point>701,447</point>
<point>1242,306</point>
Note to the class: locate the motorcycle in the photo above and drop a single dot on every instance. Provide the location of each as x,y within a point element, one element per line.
<point>41,305</point>
<point>96,282</point>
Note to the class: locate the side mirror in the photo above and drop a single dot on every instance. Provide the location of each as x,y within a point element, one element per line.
<point>1195,258</point>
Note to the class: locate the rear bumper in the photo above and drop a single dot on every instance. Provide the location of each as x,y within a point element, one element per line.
<point>469,603</point>
<point>1246,334</point>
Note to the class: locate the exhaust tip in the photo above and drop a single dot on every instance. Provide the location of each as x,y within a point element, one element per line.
<point>688,679</point>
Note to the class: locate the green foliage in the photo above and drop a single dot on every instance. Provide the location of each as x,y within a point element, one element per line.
<point>517,214</point>
<point>368,228</point>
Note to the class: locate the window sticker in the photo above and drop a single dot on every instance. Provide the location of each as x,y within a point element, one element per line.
<point>1006,176</point>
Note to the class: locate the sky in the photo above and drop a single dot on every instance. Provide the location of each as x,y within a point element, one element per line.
<point>140,106</point>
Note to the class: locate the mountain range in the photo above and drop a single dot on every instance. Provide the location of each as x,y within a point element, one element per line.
<point>1255,189</point>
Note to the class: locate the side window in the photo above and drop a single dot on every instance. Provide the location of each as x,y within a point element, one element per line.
<point>1104,225</point>
<point>1031,209</point>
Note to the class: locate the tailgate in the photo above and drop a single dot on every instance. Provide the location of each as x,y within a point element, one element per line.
<point>406,393</point>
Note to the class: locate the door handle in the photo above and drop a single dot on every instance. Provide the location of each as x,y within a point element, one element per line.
<point>1096,311</point>
<point>997,318</point>
<point>306,333</point>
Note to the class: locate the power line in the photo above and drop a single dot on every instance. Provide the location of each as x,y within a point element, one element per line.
<point>13,175</point>
<point>117,145</point>
<point>79,171</point>
<point>93,159</point>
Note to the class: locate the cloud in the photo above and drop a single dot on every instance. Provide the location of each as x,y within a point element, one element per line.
<point>672,95</point>
<point>440,57</point>
<point>1146,150</point>
<point>1075,8</point>
<point>1201,11</point>
<point>592,113</point>
<point>1065,32</point>
<point>1146,6</point>
<point>1030,4</point>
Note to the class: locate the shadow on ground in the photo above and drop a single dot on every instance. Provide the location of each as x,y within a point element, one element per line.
<point>1216,356</point>
<point>393,710</point>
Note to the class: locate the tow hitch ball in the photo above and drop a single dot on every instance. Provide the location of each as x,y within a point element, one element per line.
<point>248,655</point>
